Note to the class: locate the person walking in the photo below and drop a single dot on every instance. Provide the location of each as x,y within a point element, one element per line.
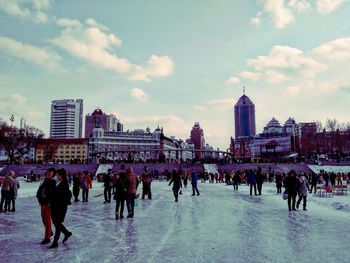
<point>302,190</point>
<point>86,184</point>
<point>131,187</point>
<point>252,181</point>
<point>59,201</point>
<point>6,188</point>
<point>107,183</point>
<point>236,180</point>
<point>76,186</point>
<point>259,180</point>
<point>146,179</point>
<point>194,181</point>
<point>43,195</point>
<point>314,180</point>
<point>177,184</point>
<point>291,183</point>
<point>279,182</point>
<point>13,191</point>
<point>120,194</point>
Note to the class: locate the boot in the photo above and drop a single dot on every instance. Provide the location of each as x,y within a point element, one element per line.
<point>54,244</point>
<point>116,217</point>
<point>45,241</point>
<point>66,236</point>
<point>121,216</point>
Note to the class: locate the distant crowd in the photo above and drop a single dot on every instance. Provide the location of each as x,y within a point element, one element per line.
<point>58,189</point>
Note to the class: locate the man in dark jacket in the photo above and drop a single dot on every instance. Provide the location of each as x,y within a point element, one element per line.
<point>259,180</point>
<point>194,180</point>
<point>107,183</point>
<point>252,181</point>
<point>292,185</point>
<point>43,195</point>
<point>177,184</point>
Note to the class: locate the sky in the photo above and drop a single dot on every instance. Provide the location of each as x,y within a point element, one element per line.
<point>174,63</point>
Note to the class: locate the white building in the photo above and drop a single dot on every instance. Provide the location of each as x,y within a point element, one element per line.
<point>66,119</point>
<point>138,145</point>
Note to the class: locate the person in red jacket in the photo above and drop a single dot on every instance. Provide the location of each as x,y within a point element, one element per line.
<point>43,195</point>
<point>146,184</point>
<point>131,187</point>
<point>86,184</point>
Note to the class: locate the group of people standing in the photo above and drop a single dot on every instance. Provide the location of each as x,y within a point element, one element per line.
<point>9,190</point>
<point>54,197</point>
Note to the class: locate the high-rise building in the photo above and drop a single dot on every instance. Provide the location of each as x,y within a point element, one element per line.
<point>100,119</point>
<point>66,118</point>
<point>197,138</point>
<point>244,114</point>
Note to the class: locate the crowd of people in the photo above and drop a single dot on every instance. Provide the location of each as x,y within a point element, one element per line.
<point>54,194</point>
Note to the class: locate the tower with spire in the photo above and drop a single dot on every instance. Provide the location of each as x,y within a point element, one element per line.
<point>244,117</point>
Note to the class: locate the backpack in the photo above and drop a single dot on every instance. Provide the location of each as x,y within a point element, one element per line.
<point>83,183</point>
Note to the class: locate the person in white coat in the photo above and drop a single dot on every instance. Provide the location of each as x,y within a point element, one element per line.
<point>302,191</point>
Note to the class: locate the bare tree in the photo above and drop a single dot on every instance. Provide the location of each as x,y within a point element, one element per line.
<point>319,126</point>
<point>332,125</point>
<point>18,142</point>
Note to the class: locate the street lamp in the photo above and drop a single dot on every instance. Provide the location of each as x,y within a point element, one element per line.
<point>12,119</point>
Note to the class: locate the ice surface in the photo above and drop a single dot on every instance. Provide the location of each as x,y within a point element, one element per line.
<point>218,226</point>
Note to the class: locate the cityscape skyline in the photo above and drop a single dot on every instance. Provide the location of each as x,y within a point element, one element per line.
<point>148,68</point>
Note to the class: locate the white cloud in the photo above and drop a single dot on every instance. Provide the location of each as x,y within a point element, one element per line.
<point>45,58</point>
<point>279,13</point>
<point>256,20</point>
<point>93,43</point>
<point>232,80</point>
<point>139,94</point>
<point>338,49</point>
<point>326,7</point>
<point>288,58</point>
<point>299,5</point>
<point>251,75</point>
<point>66,22</point>
<point>155,67</point>
<point>33,9</point>
<point>19,106</point>
<point>274,77</point>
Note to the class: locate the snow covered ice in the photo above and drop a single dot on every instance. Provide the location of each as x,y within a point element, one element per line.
<point>218,226</point>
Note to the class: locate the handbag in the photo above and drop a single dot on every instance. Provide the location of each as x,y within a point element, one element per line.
<point>285,195</point>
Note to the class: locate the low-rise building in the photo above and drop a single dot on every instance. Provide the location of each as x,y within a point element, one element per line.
<point>62,150</point>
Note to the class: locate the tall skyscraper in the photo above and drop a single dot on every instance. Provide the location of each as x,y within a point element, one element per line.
<point>197,138</point>
<point>66,118</point>
<point>100,119</point>
<point>244,113</point>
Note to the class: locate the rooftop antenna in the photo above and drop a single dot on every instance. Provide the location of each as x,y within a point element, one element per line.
<point>243,90</point>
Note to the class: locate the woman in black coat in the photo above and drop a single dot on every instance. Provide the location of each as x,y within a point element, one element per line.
<point>177,184</point>
<point>120,195</point>
<point>60,199</point>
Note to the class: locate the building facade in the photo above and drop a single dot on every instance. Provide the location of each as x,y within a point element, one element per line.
<point>244,115</point>
<point>197,138</point>
<point>139,145</point>
<point>62,150</point>
<point>66,118</point>
<point>100,119</point>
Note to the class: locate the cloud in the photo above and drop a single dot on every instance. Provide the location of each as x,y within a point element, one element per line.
<point>338,49</point>
<point>155,67</point>
<point>288,58</point>
<point>299,6</point>
<point>92,42</point>
<point>256,21</point>
<point>232,80</point>
<point>40,56</point>
<point>19,106</point>
<point>139,94</point>
<point>66,22</point>
<point>326,7</point>
<point>27,9</point>
<point>279,13</point>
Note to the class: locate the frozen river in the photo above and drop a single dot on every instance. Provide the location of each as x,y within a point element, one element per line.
<point>218,226</point>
